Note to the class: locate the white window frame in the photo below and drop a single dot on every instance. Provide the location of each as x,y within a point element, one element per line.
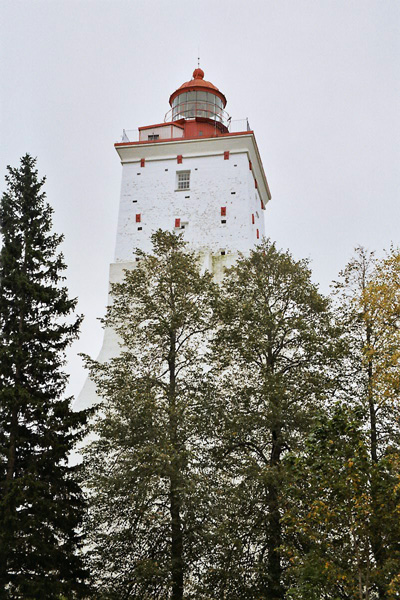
<point>182,181</point>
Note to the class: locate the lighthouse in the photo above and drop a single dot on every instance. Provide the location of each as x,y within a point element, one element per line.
<point>198,173</point>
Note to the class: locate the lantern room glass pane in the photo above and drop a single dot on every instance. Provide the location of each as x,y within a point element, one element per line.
<point>192,104</point>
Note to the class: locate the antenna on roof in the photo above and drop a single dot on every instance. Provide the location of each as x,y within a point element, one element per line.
<point>198,57</point>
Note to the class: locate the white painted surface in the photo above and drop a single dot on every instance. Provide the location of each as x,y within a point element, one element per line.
<point>151,192</point>
<point>164,132</point>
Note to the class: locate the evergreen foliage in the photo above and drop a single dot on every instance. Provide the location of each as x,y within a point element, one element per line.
<point>41,503</point>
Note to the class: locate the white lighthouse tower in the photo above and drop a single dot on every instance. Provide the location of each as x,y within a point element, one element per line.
<point>194,174</point>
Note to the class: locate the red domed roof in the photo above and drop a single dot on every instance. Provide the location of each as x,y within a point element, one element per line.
<point>197,84</point>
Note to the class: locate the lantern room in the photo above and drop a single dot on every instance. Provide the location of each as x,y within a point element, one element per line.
<point>197,111</point>
<point>201,102</point>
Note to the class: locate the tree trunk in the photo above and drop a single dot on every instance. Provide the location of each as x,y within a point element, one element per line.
<point>377,544</point>
<point>176,541</point>
<point>274,588</point>
<point>371,404</point>
<point>175,483</point>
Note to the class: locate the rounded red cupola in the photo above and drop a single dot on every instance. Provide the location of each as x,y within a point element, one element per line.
<point>198,100</point>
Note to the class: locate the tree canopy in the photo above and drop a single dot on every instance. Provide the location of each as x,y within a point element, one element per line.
<point>41,503</point>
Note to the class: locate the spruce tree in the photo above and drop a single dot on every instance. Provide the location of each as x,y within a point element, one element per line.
<point>41,504</point>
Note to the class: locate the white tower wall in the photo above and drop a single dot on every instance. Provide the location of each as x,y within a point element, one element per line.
<point>220,214</point>
<point>150,193</point>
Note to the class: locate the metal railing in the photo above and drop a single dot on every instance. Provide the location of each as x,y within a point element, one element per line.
<point>192,109</point>
<point>238,125</point>
<point>129,135</point>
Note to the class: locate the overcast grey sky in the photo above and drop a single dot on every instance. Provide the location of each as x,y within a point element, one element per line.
<point>319,81</point>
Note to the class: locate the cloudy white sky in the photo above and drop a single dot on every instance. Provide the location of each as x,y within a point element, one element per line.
<point>319,81</point>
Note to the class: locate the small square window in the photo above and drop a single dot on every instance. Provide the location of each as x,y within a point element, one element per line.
<point>153,137</point>
<point>223,253</point>
<point>183,182</point>
<point>139,228</point>
<point>223,220</point>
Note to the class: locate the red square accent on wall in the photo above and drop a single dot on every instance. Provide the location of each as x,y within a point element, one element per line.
<point>252,219</point>
<point>142,162</point>
<point>226,155</point>
<point>179,159</point>
<point>223,211</point>
<point>250,165</point>
<point>258,234</point>
<point>177,222</point>
<point>138,218</point>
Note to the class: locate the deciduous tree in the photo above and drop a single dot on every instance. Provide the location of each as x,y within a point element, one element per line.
<point>369,308</point>
<point>277,350</point>
<point>148,468</point>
